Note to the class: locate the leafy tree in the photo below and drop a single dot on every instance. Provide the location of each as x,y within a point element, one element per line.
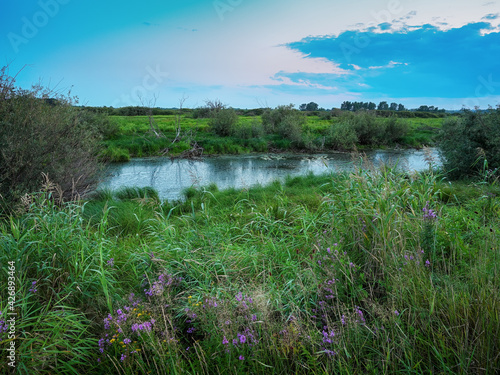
<point>393,107</point>
<point>383,106</point>
<point>312,106</point>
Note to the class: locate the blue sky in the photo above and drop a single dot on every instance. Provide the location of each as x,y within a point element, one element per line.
<point>253,53</point>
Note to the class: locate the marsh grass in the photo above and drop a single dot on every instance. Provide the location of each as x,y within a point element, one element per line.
<point>370,271</point>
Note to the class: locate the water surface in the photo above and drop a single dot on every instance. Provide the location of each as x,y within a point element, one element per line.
<point>169,177</point>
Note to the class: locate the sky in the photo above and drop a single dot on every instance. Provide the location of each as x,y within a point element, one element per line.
<point>257,53</point>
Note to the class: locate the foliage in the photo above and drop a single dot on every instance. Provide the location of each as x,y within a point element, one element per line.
<point>470,144</point>
<point>285,121</point>
<point>364,128</point>
<point>222,119</point>
<point>46,137</point>
<point>253,129</point>
<point>368,271</point>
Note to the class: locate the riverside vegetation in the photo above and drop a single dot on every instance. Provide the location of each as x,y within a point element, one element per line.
<point>370,271</point>
<point>217,129</point>
<point>363,272</point>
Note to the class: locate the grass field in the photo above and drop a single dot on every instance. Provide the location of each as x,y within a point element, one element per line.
<point>368,272</point>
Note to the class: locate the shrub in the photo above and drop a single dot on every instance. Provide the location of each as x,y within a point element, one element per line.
<point>342,136</point>
<point>395,130</point>
<point>285,121</point>
<point>250,130</point>
<point>368,130</point>
<point>40,136</point>
<point>470,144</point>
<point>222,119</point>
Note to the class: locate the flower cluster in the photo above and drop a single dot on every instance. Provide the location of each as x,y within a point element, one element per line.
<point>164,282</point>
<point>4,327</point>
<point>132,327</point>
<point>429,213</point>
<point>415,260</point>
<point>33,288</point>
<point>328,341</point>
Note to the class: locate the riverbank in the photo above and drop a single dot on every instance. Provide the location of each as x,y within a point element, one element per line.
<point>357,272</point>
<point>133,136</point>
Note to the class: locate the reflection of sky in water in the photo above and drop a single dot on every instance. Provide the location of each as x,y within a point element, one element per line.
<point>170,177</point>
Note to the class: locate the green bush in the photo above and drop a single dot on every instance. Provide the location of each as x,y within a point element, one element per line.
<point>395,130</point>
<point>41,136</point>
<point>470,144</point>
<point>369,129</point>
<point>223,121</point>
<point>250,130</point>
<point>342,136</point>
<point>285,121</point>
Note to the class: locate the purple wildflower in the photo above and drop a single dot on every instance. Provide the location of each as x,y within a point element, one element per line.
<point>111,262</point>
<point>224,341</point>
<point>33,288</point>
<point>241,358</point>
<point>429,214</point>
<point>242,338</point>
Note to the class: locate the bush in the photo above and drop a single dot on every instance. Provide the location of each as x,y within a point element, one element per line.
<point>222,122</point>
<point>222,119</point>
<point>38,136</point>
<point>250,130</point>
<point>470,144</point>
<point>285,121</point>
<point>342,136</point>
<point>395,130</point>
<point>369,130</point>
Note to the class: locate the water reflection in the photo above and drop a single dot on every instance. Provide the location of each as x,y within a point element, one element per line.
<point>170,177</point>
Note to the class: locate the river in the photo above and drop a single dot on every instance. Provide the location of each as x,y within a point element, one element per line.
<point>171,176</point>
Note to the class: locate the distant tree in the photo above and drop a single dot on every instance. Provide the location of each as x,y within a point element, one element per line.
<point>312,106</point>
<point>303,107</point>
<point>401,107</point>
<point>383,106</point>
<point>393,107</point>
<point>346,106</point>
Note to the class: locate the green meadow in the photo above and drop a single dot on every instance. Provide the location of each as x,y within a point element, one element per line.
<point>367,272</point>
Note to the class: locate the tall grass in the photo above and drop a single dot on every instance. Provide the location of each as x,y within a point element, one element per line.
<point>371,271</point>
